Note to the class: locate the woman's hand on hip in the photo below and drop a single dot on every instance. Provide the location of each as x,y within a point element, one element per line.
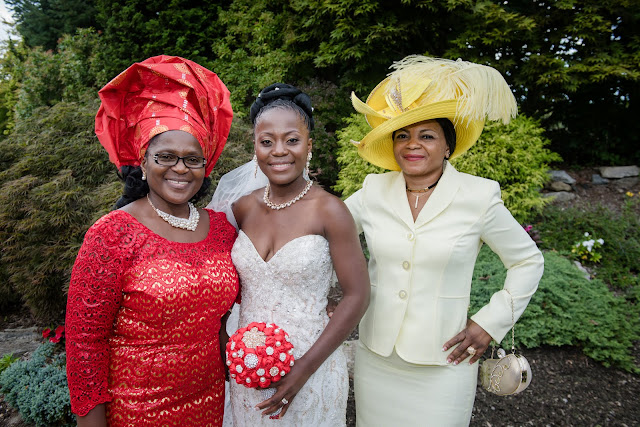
<point>472,341</point>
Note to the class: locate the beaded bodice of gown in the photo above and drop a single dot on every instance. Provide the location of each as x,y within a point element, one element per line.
<point>290,290</point>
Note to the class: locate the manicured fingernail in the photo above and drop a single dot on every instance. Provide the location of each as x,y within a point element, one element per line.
<point>448,361</point>
<point>455,363</point>
<point>444,348</point>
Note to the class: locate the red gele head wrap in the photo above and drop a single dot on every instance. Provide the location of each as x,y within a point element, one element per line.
<point>159,94</point>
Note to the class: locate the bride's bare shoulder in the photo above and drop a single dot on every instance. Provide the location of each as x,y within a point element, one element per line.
<point>246,203</point>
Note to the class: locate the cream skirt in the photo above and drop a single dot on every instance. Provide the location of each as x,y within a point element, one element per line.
<point>392,392</point>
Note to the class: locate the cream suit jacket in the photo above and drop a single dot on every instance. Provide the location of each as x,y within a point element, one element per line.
<point>421,271</point>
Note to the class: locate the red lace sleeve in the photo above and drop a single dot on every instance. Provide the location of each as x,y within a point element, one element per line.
<point>93,301</point>
<point>226,229</point>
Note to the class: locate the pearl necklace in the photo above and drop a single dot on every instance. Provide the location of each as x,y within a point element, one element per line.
<point>286,204</point>
<point>190,223</point>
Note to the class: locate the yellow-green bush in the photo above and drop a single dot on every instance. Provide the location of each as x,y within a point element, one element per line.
<point>516,157</point>
<point>353,168</point>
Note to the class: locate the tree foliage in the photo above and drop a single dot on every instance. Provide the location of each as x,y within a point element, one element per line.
<point>42,22</point>
<point>573,64</point>
<point>37,78</point>
<point>138,29</point>
<point>254,49</point>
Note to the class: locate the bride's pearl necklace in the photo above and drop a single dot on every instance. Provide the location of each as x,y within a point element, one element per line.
<point>286,204</point>
<point>190,223</point>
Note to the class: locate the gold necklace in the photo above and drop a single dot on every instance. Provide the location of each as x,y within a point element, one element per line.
<point>421,190</point>
<point>285,204</point>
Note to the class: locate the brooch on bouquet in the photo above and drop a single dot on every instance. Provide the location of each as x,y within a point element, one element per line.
<point>259,355</point>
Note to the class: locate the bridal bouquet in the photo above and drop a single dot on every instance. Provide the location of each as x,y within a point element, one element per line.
<point>259,354</point>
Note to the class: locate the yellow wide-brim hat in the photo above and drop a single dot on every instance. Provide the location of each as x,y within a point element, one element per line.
<point>422,88</point>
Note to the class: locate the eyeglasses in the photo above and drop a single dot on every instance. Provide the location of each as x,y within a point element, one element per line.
<point>167,159</point>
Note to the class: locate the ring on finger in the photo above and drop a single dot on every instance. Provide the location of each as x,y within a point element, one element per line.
<point>284,401</point>
<point>472,351</point>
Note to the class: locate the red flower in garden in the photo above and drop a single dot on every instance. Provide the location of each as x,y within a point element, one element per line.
<point>59,334</point>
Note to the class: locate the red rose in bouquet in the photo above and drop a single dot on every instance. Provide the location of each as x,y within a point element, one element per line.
<point>259,354</point>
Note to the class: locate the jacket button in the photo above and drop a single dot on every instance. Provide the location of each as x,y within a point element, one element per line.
<point>402,294</point>
<point>410,236</point>
<point>406,265</point>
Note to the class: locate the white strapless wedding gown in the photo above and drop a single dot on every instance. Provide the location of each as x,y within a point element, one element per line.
<point>291,290</point>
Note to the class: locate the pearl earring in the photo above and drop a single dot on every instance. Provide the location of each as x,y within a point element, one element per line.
<point>144,175</point>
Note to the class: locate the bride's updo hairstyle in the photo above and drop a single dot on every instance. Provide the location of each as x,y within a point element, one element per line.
<point>281,95</point>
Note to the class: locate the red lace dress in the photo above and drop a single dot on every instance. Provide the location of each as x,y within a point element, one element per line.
<point>143,317</point>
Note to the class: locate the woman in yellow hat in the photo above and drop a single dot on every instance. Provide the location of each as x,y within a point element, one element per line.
<point>424,223</point>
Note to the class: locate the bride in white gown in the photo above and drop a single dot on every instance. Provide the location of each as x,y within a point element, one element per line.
<point>292,236</point>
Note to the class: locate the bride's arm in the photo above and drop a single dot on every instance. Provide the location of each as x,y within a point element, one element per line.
<point>351,269</point>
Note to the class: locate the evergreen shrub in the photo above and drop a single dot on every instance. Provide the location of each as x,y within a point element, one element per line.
<point>55,181</point>
<point>9,299</point>
<point>567,309</point>
<point>237,151</point>
<point>329,104</point>
<point>514,155</point>
<point>37,388</point>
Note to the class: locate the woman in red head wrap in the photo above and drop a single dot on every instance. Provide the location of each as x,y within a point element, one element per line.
<point>153,280</point>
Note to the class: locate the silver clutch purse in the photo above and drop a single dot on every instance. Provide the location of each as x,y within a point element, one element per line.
<point>508,373</point>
